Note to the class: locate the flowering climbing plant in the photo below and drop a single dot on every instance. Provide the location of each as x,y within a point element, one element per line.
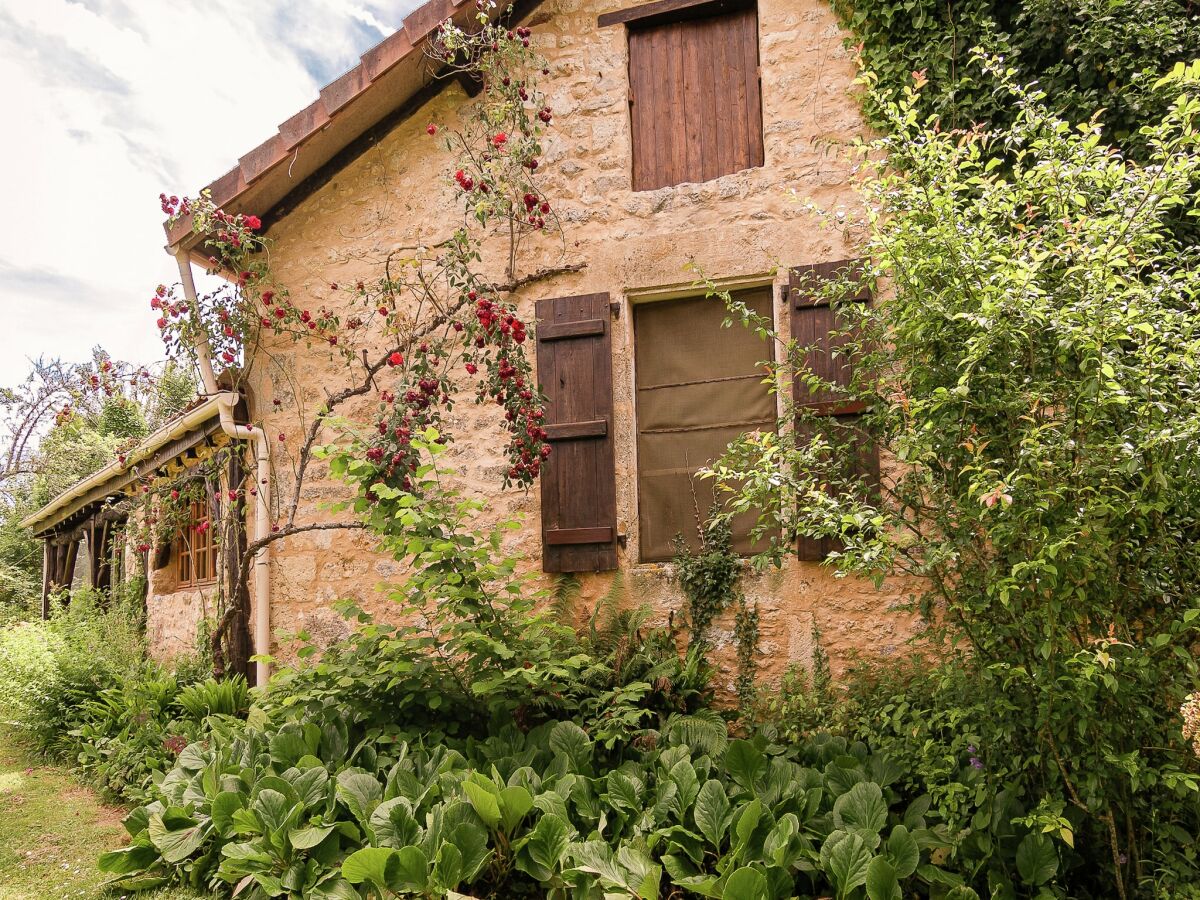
<point>433,326</point>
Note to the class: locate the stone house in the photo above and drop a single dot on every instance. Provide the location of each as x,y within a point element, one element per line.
<point>690,134</point>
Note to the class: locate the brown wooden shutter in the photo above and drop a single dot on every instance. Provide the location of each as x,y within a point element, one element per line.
<point>695,98</point>
<point>579,489</point>
<point>812,321</point>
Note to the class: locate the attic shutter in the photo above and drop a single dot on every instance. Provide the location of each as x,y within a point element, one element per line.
<point>812,321</point>
<point>579,490</point>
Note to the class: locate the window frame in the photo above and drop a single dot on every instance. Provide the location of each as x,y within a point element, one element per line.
<point>637,298</point>
<point>191,542</point>
<point>715,147</point>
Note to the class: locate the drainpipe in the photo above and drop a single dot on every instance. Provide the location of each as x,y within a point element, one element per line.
<point>262,471</point>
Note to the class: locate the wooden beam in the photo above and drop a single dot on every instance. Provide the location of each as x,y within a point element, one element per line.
<point>562,331</point>
<point>574,430</point>
<point>565,536</point>
<point>669,10</point>
<point>121,481</point>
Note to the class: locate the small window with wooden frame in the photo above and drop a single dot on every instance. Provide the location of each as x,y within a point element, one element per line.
<point>699,386</point>
<point>195,547</point>
<point>695,97</point>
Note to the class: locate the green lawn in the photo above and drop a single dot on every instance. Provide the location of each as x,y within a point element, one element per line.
<point>51,831</point>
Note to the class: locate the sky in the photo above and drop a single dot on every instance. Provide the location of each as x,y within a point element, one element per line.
<point>107,103</point>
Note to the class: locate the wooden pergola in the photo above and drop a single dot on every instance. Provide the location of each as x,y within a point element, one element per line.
<point>94,520</point>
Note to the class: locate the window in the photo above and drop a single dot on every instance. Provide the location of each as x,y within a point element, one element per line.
<point>699,386</point>
<point>195,549</point>
<point>695,99</point>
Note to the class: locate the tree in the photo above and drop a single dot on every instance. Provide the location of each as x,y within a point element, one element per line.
<point>1034,378</point>
<point>61,424</point>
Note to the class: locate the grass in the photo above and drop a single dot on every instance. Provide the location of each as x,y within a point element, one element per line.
<point>51,831</point>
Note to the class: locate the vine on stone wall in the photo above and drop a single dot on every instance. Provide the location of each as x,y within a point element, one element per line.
<point>432,324</point>
<point>1087,55</point>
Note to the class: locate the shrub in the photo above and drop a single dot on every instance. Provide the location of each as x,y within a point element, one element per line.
<point>1032,380</point>
<point>49,670</point>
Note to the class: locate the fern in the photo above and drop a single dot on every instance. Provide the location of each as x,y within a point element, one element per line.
<point>703,731</point>
<point>226,698</point>
<point>562,598</point>
<point>604,622</point>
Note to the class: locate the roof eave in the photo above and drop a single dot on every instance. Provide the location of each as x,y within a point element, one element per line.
<point>207,410</point>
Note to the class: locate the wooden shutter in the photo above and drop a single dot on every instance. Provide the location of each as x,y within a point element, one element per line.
<point>579,490</point>
<point>695,99</point>
<point>813,320</point>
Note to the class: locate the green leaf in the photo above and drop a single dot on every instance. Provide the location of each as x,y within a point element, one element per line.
<point>176,836</point>
<point>548,842</point>
<point>744,762</point>
<point>375,865</point>
<point>361,792</point>
<point>412,870</point>
<point>861,807</point>
<point>307,838</point>
<point>1036,860</point>
<point>515,802</point>
<point>224,805</point>
<point>845,857</point>
<point>472,842</point>
<point>746,884</point>
<point>484,803</point>
<point>393,823</point>
<point>127,860</point>
<point>571,741</point>
<point>903,852</point>
<point>286,748</point>
<point>882,883</point>
<point>712,811</point>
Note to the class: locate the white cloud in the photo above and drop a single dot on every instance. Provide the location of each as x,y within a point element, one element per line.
<point>109,102</point>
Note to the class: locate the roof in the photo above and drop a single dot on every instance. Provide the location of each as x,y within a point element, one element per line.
<point>172,437</point>
<point>385,83</point>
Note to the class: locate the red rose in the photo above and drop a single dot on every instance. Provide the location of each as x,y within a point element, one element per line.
<point>431,129</point>
<point>253,222</point>
<point>395,359</point>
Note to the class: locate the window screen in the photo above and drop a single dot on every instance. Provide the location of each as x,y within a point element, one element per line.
<point>699,386</point>
<point>696,103</point>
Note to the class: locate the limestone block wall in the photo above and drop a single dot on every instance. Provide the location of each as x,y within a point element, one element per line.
<point>173,614</point>
<point>740,229</point>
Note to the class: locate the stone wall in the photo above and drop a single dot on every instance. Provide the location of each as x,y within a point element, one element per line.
<point>741,229</point>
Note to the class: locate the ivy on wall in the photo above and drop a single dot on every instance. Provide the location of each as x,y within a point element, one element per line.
<point>1087,55</point>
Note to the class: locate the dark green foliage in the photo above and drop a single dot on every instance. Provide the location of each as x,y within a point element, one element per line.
<point>304,811</point>
<point>709,576</point>
<point>1088,55</point>
<point>1035,376</point>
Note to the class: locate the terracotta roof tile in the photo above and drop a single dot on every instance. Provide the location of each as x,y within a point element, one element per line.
<point>386,54</point>
<point>345,88</point>
<point>227,186</point>
<point>309,120</point>
<point>422,20</point>
<point>317,116</point>
<point>262,158</point>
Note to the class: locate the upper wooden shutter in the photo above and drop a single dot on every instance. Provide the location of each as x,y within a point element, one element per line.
<point>695,98</point>
<point>813,320</point>
<point>579,489</point>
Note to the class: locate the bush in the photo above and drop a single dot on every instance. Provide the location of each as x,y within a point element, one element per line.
<point>49,670</point>
<point>1032,382</point>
